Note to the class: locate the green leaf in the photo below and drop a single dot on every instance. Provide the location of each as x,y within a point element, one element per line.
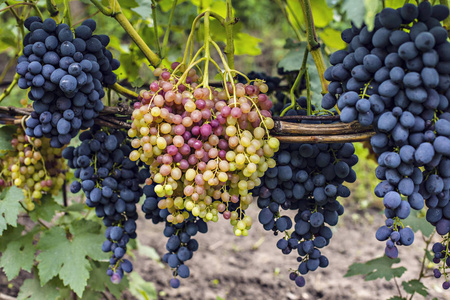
<point>66,254</point>
<point>143,9</point>
<point>31,289</point>
<point>98,280</point>
<point>140,288</point>
<point>293,60</point>
<point>355,11</point>
<point>9,207</point>
<point>322,14</point>
<point>332,38</point>
<point>397,298</point>
<point>394,3</point>
<point>5,138</point>
<point>372,8</point>
<point>246,44</point>
<point>415,286</point>
<point>419,223</point>
<point>219,7</point>
<point>46,210</point>
<point>19,254</point>
<point>380,267</point>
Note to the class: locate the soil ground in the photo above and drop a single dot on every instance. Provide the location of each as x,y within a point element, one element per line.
<point>252,268</point>
<point>232,267</point>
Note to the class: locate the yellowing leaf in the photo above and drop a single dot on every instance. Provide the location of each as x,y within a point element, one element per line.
<point>394,3</point>
<point>322,14</point>
<point>246,44</point>
<point>332,38</point>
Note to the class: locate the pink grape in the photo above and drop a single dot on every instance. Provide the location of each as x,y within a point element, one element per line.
<point>236,112</point>
<point>206,130</point>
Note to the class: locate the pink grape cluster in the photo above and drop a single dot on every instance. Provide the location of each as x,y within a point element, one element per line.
<point>207,148</point>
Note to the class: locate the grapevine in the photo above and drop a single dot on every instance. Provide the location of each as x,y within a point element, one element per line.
<point>187,138</point>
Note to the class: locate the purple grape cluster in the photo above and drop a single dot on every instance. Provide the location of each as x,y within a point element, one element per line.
<point>65,75</point>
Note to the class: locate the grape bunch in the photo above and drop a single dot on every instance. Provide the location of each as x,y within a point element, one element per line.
<point>32,166</point>
<point>64,75</point>
<point>180,244</point>
<point>308,178</point>
<point>272,82</point>
<point>396,78</point>
<point>206,148</point>
<point>111,184</point>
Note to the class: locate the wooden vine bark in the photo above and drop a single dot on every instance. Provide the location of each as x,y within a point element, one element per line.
<point>286,132</point>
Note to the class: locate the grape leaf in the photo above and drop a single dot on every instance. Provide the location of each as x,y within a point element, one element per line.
<point>355,11</point>
<point>65,254</point>
<point>397,298</point>
<point>394,3</point>
<point>322,14</point>
<point>9,207</point>
<point>293,60</point>
<point>380,267</point>
<point>246,44</point>
<point>5,139</point>
<point>46,210</point>
<point>332,38</point>
<point>417,223</point>
<point>31,289</point>
<point>143,8</point>
<point>140,288</point>
<point>19,254</point>
<point>372,8</point>
<point>415,286</point>
<point>98,280</point>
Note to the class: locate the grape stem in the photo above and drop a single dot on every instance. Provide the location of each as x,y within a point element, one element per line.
<point>229,22</point>
<point>294,15</point>
<point>308,93</point>
<point>398,288</point>
<point>296,84</point>
<point>313,44</point>
<point>13,5</point>
<point>155,26</point>
<point>424,258</point>
<point>53,10</point>
<point>38,11</point>
<point>207,54</point>
<point>19,20</point>
<point>8,90</point>
<point>166,34</point>
<point>116,13</point>
<point>124,91</point>
<point>67,17</point>
<point>296,31</point>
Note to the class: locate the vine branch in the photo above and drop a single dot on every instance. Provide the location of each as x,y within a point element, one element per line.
<point>229,22</point>
<point>297,82</point>
<point>155,26</point>
<point>313,43</point>
<point>8,90</point>
<point>124,91</point>
<point>169,25</point>
<point>116,13</point>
